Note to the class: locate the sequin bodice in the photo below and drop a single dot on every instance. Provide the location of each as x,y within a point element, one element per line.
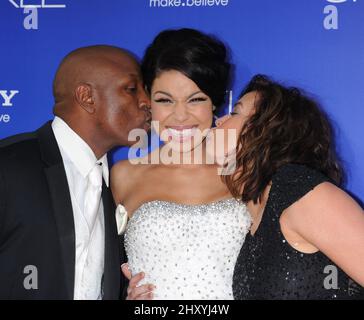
<point>187,251</point>
<point>269,268</point>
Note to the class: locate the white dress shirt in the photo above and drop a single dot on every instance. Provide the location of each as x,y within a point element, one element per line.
<point>79,159</point>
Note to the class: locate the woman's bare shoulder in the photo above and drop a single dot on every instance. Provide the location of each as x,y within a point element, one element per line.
<point>124,174</point>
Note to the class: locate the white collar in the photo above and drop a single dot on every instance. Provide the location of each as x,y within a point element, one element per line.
<point>77,150</point>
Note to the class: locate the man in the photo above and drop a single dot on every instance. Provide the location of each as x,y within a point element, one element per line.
<point>58,233</point>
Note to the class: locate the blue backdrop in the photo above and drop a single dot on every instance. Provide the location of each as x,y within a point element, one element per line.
<point>314,44</point>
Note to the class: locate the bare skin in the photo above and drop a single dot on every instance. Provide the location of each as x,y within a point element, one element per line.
<point>99,93</point>
<point>326,219</point>
<point>180,183</point>
<point>176,102</point>
<point>174,185</point>
<point>186,184</point>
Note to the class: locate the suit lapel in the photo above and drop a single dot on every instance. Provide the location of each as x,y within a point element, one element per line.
<point>61,202</point>
<point>112,255</point>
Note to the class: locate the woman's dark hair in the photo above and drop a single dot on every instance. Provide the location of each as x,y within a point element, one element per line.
<point>200,57</point>
<point>287,127</point>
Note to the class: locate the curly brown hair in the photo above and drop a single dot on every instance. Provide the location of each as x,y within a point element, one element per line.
<point>287,127</point>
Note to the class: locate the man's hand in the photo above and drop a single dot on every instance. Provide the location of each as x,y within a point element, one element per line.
<point>135,292</point>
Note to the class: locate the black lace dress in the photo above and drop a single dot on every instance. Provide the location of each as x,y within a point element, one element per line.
<point>269,268</point>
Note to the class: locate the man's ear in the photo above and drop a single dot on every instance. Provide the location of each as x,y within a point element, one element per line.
<point>84,97</point>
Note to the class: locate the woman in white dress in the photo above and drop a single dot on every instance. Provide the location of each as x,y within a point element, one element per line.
<point>185,229</point>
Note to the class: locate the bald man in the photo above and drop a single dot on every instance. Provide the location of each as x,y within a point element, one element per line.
<point>58,233</point>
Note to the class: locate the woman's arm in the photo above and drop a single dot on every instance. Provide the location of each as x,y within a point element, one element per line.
<point>329,219</point>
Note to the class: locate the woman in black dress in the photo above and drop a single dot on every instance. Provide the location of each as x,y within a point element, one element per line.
<point>307,236</point>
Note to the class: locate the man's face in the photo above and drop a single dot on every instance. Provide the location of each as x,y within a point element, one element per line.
<point>121,101</point>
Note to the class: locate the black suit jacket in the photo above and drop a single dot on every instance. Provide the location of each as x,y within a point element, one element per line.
<point>37,226</point>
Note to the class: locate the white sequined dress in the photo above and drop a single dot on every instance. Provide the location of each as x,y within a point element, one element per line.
<point>187,251</point>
